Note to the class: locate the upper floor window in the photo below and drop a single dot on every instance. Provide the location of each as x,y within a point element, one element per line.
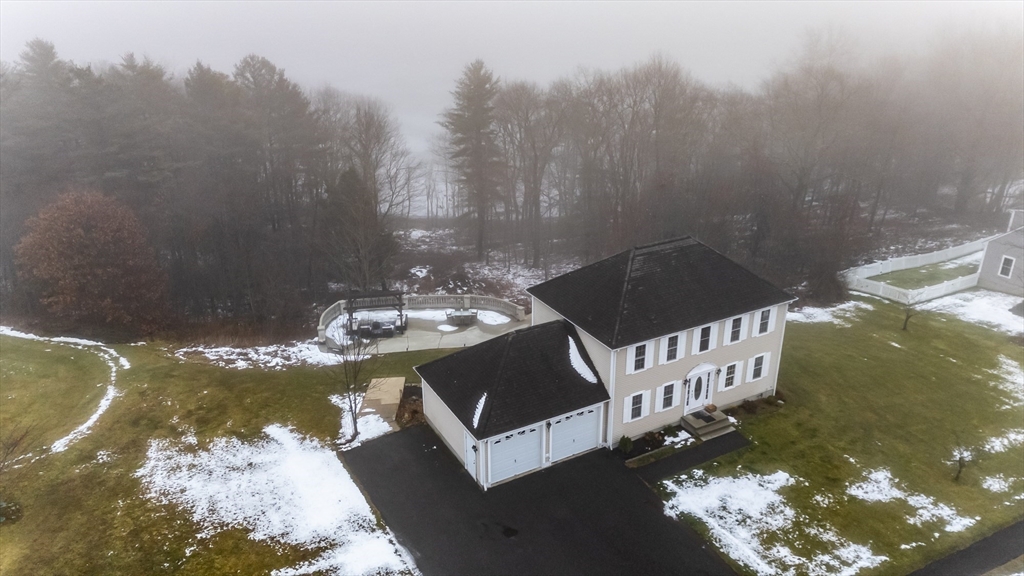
<point>705,339</point>
<point>672,348</point>
<point>1006,267</point>
<point>639,357</point>
<point>735,329</point>
<point>764,322</point>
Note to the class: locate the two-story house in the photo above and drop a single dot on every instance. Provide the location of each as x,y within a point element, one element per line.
<point>621,347</point>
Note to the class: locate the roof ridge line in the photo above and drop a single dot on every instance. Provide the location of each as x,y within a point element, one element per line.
<point>622,297</point>
<point>486,413</point>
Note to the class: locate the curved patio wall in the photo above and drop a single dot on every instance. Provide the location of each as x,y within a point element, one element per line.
<point>414,302</point>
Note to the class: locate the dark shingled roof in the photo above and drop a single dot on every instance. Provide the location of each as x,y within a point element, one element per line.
<point>654,290</point>
<point>526,374</point>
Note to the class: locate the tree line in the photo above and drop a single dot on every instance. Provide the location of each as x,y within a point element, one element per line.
<point>253,192</point>
<point>255,195</point>
<point>793,179</point>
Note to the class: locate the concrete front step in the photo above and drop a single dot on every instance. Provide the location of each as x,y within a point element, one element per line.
<point>718,426</point>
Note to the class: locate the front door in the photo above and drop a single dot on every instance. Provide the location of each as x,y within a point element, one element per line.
<point>470,455</point>
<point>698,388</point>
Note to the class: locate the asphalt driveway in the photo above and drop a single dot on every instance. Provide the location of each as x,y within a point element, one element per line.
<point>589,515</point>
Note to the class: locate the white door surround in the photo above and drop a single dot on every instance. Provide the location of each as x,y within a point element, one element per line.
<point>699,384</point>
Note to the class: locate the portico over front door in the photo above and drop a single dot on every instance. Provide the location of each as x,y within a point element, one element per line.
<point>699,384</point>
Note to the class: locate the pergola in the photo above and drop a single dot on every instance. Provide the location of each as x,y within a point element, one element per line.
<point>355,301</point>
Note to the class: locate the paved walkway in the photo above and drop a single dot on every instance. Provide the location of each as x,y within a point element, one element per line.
<point>382,398</point>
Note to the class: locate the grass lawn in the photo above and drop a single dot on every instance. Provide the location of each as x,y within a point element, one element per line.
<point>869,397</point>
<point>914,278</point>
<point>83,508</point>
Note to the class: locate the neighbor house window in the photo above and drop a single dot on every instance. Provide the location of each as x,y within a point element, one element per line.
<point>763,324</point>
<point>636,406</point>
<point>672,351</point>
<point>1006,267</point>
<point>639,357</point>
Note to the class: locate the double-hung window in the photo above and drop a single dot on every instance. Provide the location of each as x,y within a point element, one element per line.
<point>758,367</point>
<point>667,396</point>
<point>705,339</point>
<point>731,376</point>
<point>636,406</point>
<point>764,322</point>
<point>639,357</point>
<point>735,329</point>
<point>670,348</point>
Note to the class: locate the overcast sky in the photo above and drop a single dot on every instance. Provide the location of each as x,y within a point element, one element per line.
<point>410,53</point>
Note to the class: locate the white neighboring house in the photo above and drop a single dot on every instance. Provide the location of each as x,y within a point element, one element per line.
<point>1002,265</point>
<point>650,337</point>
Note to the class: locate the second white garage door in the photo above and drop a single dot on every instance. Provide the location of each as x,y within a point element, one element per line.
<point>575,433</point>
<point>515,453</point>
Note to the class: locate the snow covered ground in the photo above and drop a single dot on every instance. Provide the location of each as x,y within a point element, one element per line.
<point>880,486</point>
<point>981,307</point>
<point>745,516</point>
<point>838,315</point>
<point>277,357</point>
<point>114,360</point>
<point>282,488</point>
<point>370,424</point>
<point>336,329</point>
<point>972,258</point>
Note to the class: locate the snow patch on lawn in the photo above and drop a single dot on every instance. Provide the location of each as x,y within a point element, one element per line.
<point>981,307</point>
<point>371,425</point>
<point>679,439</point>
<point>972,258</point>
<point>838,314</point>
<point>1003,443</point>
<point>880,486</point>
<point>744,514</point>
<point>1011,381</point>
<point>997,483</point>
<point>113,360</point>
<point>578,364</point>
<point>276,357</point>
<point>283,488</point>
<point>420,271</point>
<point>446,328</point>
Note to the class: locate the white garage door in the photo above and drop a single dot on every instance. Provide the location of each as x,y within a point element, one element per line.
<point>515,453</point>
<point>575,433</point>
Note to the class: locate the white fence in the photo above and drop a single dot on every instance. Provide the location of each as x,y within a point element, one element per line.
<point>917,260</point>
<point>412,302</point>
<point>905,296</point>
<point>857,278</point>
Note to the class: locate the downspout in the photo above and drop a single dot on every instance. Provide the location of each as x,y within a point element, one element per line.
<point>611,401</point>
<point>778,355</point>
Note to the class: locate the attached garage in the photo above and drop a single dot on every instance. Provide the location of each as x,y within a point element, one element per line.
<point>516,403</point>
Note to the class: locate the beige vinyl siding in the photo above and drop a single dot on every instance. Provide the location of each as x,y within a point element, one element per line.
<point>444,422</point>
<point>658,374</point>
<point>542,313</point>
<point>989,277</point>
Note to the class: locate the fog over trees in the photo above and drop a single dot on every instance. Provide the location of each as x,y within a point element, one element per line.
<point>257,194</point>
